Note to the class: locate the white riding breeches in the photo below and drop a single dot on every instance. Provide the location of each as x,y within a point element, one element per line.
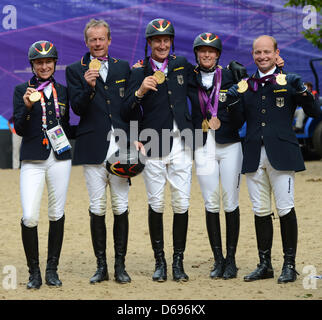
<point>265,180</point>
<point>33,176</point>
<point>175,168</point>
<point>219,164</point>
<point>97,178</point>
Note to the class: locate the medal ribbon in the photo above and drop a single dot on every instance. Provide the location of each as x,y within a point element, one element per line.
<point>205,101</point>
<point>43,106</point>
<point>254,87</point>
<point>43,85</point>
<point>102,58</point>
<point>155,68</point>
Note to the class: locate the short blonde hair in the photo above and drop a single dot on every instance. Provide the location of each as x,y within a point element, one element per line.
<point>97,23</point>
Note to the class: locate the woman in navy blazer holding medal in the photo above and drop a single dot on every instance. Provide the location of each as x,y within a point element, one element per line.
<point>41,111</point>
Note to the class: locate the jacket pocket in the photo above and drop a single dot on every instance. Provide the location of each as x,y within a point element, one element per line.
<point>289,137</point>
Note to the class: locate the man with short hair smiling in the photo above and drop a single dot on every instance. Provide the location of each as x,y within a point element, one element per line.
<point>157,93</point>
<point>271,152</point>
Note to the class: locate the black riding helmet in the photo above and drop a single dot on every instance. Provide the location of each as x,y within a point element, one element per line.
<point>125,163</point>
<point>207,39</point>
<point>159,27</point>
<point>42,49</point>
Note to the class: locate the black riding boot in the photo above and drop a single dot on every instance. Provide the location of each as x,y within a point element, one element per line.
<point>179,233</point>
<point>232,234</point>
<point>120,234</point>
<point>214,235</point>
<point>30,244</point>
<point>289,240</point>
<point>55,241</point>
<point>156,236</point>
<point>98,233</point>
<point>264,235</point>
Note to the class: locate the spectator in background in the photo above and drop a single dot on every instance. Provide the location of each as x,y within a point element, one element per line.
<point>299,114</point>
<point>16,142</point>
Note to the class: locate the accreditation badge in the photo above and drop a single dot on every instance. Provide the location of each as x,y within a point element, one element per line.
<point>180,79</point>
<point>58,139</point>
<point>122,90</point>
<point>222,97</point>
<point>280,102</point>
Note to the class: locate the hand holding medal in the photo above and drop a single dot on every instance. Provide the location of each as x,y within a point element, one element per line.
<point>281,79</point>
<point>93,72</point>
<point>35,96</point>
<point>160,77</point>
<point>242,86</point>
<point>94,65</point>
<point>159,73</point>
<point>26,97</point>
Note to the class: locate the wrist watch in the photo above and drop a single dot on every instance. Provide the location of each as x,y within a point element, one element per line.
<point>137,95</point>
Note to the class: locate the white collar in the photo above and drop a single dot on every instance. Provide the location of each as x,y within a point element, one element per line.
<point>261,74</point>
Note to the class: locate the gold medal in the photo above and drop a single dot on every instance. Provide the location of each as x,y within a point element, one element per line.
<point>214,123</point>
<point>159,76</point>
<point>35,96</point>
<point>281,79</point>
<point>242,86</point>
<point>205,125</point>
<point>94,65</point>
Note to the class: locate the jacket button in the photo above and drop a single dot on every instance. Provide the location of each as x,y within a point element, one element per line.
<point>263,110</point>
<point>49,103</point>
<point>50,122</point>
<point>105,87</point>
<point>108,101</point>
<point>263,124</point>
<point>169,92</point>
<point>50,112</point>
<point>110,115</point>
<point>263,97</point>
<point>171,106</point>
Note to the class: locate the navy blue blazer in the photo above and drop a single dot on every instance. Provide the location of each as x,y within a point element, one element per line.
<point>28,124</point>
<point>228,131</point>
<point>269,114</point>
<point>157,109</point>
<point>98,108</point>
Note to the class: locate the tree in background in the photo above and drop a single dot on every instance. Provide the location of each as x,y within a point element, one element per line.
<point>312,8</point>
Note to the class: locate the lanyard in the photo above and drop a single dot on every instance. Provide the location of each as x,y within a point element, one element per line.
<point>205,101</point>
<point>44,116</point>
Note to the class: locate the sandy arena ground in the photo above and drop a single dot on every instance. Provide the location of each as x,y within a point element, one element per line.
<point>78,263</point>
